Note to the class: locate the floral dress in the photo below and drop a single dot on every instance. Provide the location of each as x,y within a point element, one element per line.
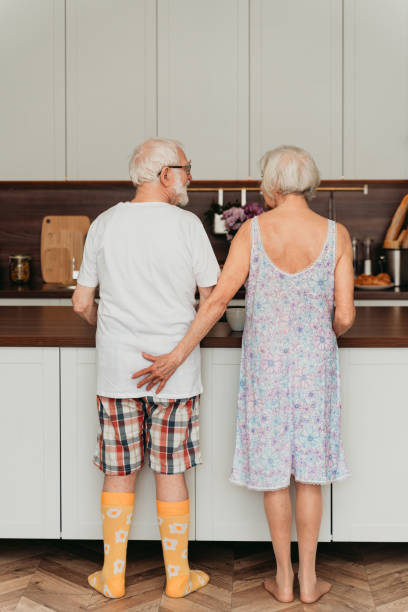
<point>288,419</point>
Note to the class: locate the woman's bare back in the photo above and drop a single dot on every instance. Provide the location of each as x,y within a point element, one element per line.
<point>293,242</point>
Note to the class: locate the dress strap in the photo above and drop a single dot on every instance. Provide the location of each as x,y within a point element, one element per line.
<point>255,233</point>
<point>332,242</point>
<point>255,242</point>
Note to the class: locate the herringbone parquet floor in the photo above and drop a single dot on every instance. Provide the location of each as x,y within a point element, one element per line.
<point>46,576</point>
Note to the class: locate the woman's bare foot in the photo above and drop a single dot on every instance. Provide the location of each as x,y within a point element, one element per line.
<point>282,591</point>
<point>313,590</point>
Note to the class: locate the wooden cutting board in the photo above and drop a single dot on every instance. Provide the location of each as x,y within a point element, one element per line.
<point>62,239</point>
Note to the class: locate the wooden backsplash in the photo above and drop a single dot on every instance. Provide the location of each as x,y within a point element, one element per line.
<point>24,204</point>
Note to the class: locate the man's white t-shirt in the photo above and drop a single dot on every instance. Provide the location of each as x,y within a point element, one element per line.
<point>148,258</point>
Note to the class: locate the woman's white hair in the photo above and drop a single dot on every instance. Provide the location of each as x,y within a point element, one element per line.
<point>288,169</point>
<point>150,157</point>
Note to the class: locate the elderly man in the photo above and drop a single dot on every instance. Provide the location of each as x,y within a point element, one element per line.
<point>148,257</point>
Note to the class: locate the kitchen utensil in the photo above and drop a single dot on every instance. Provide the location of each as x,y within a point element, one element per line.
<point>62,232</point>
<point>374,287</point>
<point>397,265</point>
<point>394,229</point>
<point>57,266</point>
<point>355,245</point>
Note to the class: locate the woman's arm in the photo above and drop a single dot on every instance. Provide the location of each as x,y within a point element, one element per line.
<point>345,311</point>
<point>233,276</point>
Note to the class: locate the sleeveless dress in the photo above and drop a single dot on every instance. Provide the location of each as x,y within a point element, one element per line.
<point>288,419</point>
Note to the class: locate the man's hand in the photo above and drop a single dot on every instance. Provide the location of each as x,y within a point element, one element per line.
<point>159,372</point>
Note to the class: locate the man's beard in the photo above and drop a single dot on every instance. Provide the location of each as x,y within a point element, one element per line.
<point>180,192</point>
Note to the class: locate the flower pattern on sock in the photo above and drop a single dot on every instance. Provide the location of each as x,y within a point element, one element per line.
<point>121,535</point>
<point>129,519</point>
<point>184,554</point>
<point>106,548</point>
<point>173,570</point>
<point>178,527</point>
<point>114,512</point>
<point>118,566</point>
<point>169,544</point>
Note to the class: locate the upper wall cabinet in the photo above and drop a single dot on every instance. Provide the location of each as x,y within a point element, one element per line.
<point>203,83</point>
<point>376,89</point>
<point>32,101</point>
<point>111,84</point>
<point>296,80</point>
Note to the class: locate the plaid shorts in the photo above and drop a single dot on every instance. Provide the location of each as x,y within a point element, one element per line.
<point>168,430</point>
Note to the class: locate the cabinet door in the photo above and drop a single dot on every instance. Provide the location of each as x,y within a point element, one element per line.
<point>29,423</point>
<point>203,83</point>
<point>81,480</point>
<point>296,80</point>
<point>375,89</point>
<point>32,101</point>
<point>226,511</point>
<point>111,84</point>
<point>371,505</point>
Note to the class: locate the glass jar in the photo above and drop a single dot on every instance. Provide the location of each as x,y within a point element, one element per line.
<point>20,269</point>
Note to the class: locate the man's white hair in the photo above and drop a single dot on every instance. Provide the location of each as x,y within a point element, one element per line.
<point>289,169</point>
<point>150,157</point>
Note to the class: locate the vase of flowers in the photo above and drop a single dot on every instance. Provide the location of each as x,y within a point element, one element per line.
<point>234,216</point>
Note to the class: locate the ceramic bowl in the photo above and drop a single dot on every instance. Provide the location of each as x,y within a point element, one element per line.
<point>236,318</point>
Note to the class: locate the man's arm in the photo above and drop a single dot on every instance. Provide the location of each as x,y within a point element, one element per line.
<point>83,301</point>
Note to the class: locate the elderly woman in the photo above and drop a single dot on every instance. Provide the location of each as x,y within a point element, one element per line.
<point>296,264</point>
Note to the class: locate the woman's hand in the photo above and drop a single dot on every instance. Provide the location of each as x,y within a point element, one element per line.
<point>159,372</point>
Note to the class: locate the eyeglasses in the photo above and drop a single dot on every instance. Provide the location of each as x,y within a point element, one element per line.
<point>187,168</point>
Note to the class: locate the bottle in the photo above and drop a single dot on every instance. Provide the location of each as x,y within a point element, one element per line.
<point>368,265</point>
<point>355,245</point>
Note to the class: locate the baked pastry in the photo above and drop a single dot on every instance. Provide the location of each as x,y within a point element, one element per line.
<point>369,279</point>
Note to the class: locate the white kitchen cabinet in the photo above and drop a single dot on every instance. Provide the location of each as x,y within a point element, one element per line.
<point>29,424</point>
<point>111,84</point>
<point>32,101</point>
<point>203,83</point>
<point>375,89</point>
<point>226,511</point>
<point>81,479</point>
<point>372,504</point>
<point>296,80</point>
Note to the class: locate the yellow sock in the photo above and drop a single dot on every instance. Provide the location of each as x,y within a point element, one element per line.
<point>174,519</point>
<point>117,509</point>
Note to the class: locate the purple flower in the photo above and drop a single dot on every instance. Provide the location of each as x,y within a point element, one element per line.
<point>233,217</point>
<point>252,209</point>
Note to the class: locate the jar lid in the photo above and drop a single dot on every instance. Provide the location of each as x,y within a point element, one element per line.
<point>20,257</point>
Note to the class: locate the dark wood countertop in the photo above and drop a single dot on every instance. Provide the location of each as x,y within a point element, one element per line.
<point>375,326</point>
<point>49,290</point>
